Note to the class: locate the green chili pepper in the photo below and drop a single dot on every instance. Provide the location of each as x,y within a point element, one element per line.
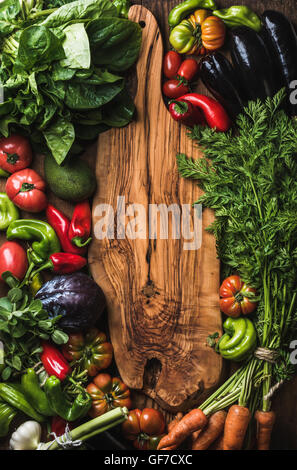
<point>34,394</point>
<point>4,174</point>
<point>239,340</point>
<point>239,16</point>
<point>184,9</point>
<point>122,7</point>
<point>13,395</point>
<point>60,405</point>
<point>8,211</point>
<point>35,284</point>
<point>27,229</point>
<point>7,413</point>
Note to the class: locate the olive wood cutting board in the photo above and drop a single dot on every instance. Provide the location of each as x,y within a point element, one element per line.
<point>162,299</point>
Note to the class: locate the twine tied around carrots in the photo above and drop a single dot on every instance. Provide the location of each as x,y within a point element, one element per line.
<point>269,355</point>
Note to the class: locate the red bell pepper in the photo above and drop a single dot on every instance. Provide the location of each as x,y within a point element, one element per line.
<point>215,115</point>
<point>80,226</point>
<point>61,225</point>
<point>54,362</point>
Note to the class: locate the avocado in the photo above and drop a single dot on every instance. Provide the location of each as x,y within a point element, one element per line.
<point>74,181</point>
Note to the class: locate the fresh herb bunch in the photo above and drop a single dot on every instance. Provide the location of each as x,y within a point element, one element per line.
<point>249,179</point>
<point>61,67</point>
<point>23,324</point>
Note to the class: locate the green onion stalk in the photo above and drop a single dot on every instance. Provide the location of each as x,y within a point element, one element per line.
<point>90,428</point>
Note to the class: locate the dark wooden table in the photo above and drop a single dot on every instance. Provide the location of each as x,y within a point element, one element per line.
<point>285,403</point>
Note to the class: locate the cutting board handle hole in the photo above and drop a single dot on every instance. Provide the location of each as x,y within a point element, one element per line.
<point>142,24</point>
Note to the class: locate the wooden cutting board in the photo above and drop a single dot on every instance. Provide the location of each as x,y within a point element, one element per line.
<point>162,299</point>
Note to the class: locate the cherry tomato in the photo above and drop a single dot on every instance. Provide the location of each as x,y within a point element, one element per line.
<point>174,89</point>
<point>13,258</point>
<point>188,69</point>
<point>171,64</point>
<point>26,190</point>
<point>236,297</point>
<point>15,153</point>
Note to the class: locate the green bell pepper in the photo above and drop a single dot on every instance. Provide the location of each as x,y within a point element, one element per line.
<point>60,405</point>
<point>8,211</point>
<point>47,241</point>
<point>14,396</point>
<point>122,7</point>
<point>239,16</point>
<point>239,340</point>
<point>7,413</point>
<point>34,394</point>
<point>184,9</point>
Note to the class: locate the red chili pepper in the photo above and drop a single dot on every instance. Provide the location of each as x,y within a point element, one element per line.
<point>62,263</point>
<point>54,362</point>
<point>215,115</point>
<point>185,112</point>
<point>80,226</point>
<point>58,425</point>
<point>61,224</point>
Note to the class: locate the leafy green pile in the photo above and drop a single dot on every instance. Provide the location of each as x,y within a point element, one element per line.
<point>249,178</point>
<point>23,325</point>
<point>62,71</point>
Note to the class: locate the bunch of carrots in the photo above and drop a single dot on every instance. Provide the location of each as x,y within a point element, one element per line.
<point>220,431</point>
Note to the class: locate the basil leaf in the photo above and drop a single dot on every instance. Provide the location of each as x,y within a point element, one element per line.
<point>6,373</point>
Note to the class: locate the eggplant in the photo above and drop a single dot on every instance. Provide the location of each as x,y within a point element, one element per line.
<point>253,64</point>
<point>76,297</point>
<point>219,77</point>
<point>281,39</point>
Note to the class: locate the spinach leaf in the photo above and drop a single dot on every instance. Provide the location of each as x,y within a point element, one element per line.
<point>99,77</point>
<point>60,137</point>
<point>76,47</point>
<point>60,73</point>
<point>115,42</point>
<point>79,96</point>
<point>38,45</point>
<point>78,10</point>
<point>10,10</point>
<point>121,112</point>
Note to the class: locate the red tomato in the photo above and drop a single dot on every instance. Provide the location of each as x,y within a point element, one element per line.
<point>13,258</point>
<point>145,428</point>
<point>174,89</point>
<point>26,190</point>
<point>15,153</point>
<point>171,64</point>
<point>236,297</point>
<point>188,69</point>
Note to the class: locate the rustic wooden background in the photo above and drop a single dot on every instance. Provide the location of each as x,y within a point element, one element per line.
<point>285,404</point>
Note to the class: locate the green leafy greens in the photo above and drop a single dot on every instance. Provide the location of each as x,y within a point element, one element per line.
<point>62,66</point>
<point>249,179</point>
<point>23,325</point>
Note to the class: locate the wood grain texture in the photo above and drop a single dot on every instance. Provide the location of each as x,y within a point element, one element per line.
<point>162,299</point>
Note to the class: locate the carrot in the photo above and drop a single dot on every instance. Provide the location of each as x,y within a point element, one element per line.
<point>236,424</point>
<point>265,422</point>
<point>218,443</point>
<point>211,432</point>
<point>191,422</point>
<point>173,423</point>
